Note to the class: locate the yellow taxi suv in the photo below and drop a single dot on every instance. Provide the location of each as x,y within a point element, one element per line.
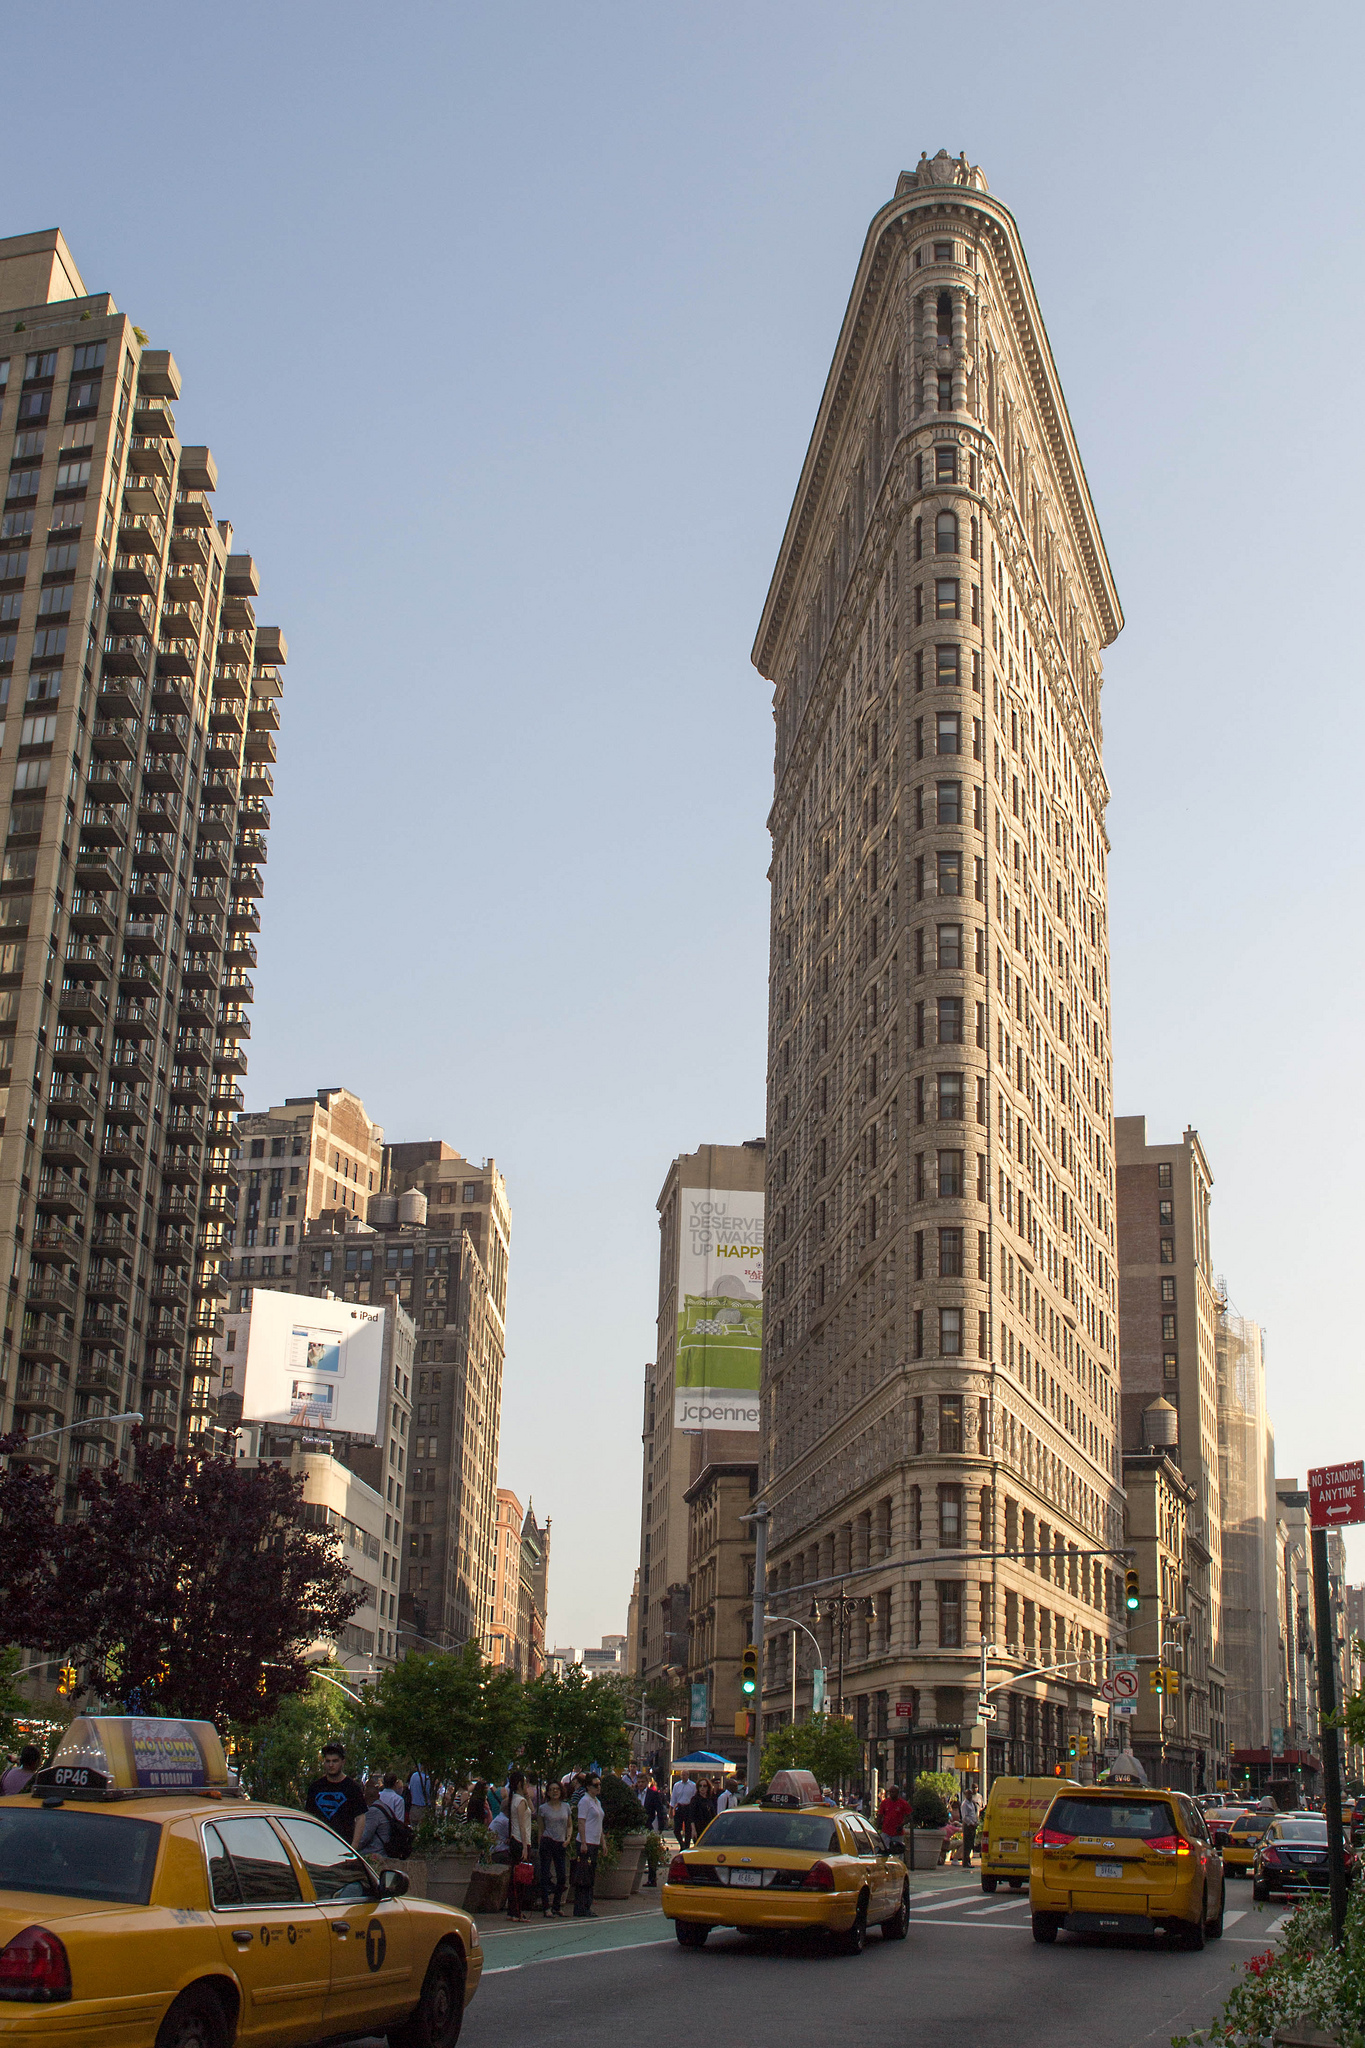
<point>1119,1862</point>
<point>789,1867</point>
<point>1014,1813</point>
<point>1243,1838</point>
<point>144,1903</point>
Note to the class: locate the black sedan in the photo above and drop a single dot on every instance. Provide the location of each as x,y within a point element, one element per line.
<point>1291,1856</point>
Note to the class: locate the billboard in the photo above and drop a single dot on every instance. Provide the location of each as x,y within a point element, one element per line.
<point>314,1365</point>
<point>720,1309</point>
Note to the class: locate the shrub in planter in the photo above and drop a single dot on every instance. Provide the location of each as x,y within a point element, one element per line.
<point>622,1813</point>
<point>928,1806</point>
<point>1304,1983</point>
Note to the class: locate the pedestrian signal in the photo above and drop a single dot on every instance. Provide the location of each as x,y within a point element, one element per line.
<point>1132,1592</point>
<point>744,1725</point>
<point>749,1678</point>
<point>1157,1681</point>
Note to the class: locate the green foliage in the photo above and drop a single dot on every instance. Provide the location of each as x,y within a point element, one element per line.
<point>929,1800</point>
<point>447,1834</point>
<point>824,1744</point>
<point>1301,1984</point>
<point>13,1705</point>
<point>574,1720</point>
<point>622,1813</point>
<point>277,1757</point>
<point>450,1713</point>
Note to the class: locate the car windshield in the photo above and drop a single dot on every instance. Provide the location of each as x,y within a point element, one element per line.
<point>1302,1831</point>
<point>1252,1823</point>
<point>77,1855</point>
<point>1145,1818</point>
<point>745,1827</point>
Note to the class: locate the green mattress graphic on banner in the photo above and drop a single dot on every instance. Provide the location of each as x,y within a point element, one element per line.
<point>720,1309</point>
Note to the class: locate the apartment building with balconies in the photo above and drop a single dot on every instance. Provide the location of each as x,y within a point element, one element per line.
<point>140,702</point>
<point>940,1394</point>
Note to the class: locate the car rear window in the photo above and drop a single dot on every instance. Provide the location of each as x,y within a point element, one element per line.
<point>1303,1831</point>
<point>743,1828</point>
<point>1144,1818</point>
<point>78,1855</point>
<point>1252,1823</point>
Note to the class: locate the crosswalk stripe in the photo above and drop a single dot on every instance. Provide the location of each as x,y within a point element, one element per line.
<point>1011,1906</point>
<point>1231,1919</point>
<point>1278,1926</point>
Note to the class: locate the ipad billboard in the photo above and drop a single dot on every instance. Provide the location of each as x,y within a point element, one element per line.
<point>314,1365</point>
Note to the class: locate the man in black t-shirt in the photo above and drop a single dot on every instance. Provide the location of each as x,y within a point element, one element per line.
<point>336,1799</point>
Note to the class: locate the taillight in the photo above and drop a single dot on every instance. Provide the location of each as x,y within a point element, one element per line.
<point>1169,1845</point>
<point>34,1966</point>
<point>1052,1838</point>
<point>819,1878</point>
<point>677,1871</point>
<point>1271,1856</point>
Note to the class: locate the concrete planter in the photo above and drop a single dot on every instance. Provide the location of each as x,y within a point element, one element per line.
<point>444,1878</point>
<point>624,1875</point>
<point>928,1848</point>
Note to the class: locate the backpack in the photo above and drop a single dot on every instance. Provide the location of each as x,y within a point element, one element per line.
<point>401,1839</point>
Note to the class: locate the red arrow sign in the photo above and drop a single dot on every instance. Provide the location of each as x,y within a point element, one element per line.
<point>1336,1495</point>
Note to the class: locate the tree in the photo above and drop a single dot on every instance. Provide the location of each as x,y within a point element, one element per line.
<point>28,1550</point>
<point>575,1720</point>
<point>194,1587</point>
<point>824,1744</point>
<point>450,1713</point>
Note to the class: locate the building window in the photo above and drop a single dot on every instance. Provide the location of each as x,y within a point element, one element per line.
<point>945,465</point>
<point>1168,1329</point>
<point>949,870</point>
<point>950,1254</point>
<point>1168,1290</point>
<point>1163,1174</point>
<point>949,802</point>
<point>1170,1366</point>
<point>950,1334</point>
<point>945,390</point>
<point>950,1094</point>
<point>950,945</point>
<point>471,1191</point>
<point>947,667</point>
<point>943,252</point>
<point>949,732</point>
<point>949,1517</point>
<point>950,1020</point>
<point>917,1333</point>
<point>945,534</point>
<point>950,1175</point>
<point>950,1422</point>
<point>1168,1251</point>
<point>946,603</point>
<point>949,1615</point>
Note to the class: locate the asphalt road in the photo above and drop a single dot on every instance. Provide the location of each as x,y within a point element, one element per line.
<point>970,1972</point>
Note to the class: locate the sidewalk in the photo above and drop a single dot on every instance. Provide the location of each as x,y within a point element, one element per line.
<point>620,1923</point>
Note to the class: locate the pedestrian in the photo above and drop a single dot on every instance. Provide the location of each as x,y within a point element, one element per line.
<point>684,1792</point>
<point>477,1808</point>
<point>518,1838</point>
<point>18,1775</point>
<point>419,1796</point>
<point>589,1848</point>
<point>556,1819</point>
<point>703,1808</point>
<point>725,1798</point>
<point>655,1805</point>
<point>969,1813</point>
<point>385,1816</point>
<point>336,1799</point>
<point>893,1813</point>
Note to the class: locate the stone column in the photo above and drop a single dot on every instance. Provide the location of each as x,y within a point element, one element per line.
<point>959,351</point>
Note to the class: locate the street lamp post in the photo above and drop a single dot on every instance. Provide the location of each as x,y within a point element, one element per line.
<point>788,1621</point>
<point>86,1422</point>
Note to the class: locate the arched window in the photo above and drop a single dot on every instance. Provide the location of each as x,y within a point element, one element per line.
<point>945,316</point>
<point>945,534</point>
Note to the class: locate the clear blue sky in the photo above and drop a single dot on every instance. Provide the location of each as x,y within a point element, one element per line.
<point>507,325</point>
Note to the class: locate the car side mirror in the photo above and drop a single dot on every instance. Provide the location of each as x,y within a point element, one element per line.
<point>393,1884</point>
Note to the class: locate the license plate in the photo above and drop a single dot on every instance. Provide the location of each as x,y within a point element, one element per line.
<point>1109,1870</point>
<point>746,1877</point>
<point>1009,1845</point>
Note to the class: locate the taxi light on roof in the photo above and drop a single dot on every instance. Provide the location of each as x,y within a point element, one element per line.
<point>33,1967</point>
<point>129,1753</point>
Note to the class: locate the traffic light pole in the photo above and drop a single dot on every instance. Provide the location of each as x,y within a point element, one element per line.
<point>758,1515</point>
<point>1330,1736</point>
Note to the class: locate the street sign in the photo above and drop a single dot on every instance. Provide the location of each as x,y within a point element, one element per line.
<point>986,1713</point>
<point>1125,1706</point>
<point>1125,1685</point>
<point>905,1710</point>
<point>1124,1663</point>
<point>817,1690</point>
<point>1107,1690</point>
<point>1336,1495</point>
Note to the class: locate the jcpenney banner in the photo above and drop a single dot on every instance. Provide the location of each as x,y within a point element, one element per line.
<point>720,1309</point>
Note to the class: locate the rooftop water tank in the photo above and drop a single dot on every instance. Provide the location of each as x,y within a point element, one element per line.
<point>1160,1424</point>
<point>412,1207</point>
<point>383,1209</point>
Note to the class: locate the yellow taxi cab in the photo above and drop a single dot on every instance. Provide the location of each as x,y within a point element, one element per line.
<point>791,1862</point>
<point>1013,1815</point>
<point>1111,1861</point>
<point>1243,1838</point>
<point>143,1902</point>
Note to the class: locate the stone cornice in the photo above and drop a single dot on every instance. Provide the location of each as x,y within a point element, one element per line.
<point>983,217</point>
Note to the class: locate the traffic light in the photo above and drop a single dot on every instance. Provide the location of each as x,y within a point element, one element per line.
<point>1172,1681</point>
<point>749,1677</point>
<point>66,1681</point>
<point>1132,1592</point>
<point>744,1725</point>
<point>1083,1745</point>
<point>1157,1681</point>
<point>1071,1749</point>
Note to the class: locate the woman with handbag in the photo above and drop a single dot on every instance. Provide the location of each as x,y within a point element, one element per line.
<point>556,1819</point>
<point>518,1843</point>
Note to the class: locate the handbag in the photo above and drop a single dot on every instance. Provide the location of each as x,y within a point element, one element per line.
<point>580,1876</point>
<point>524,1874</point>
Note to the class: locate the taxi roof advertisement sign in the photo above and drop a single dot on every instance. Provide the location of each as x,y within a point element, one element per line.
<point>313,1364</point>
<point>1336,1495</point>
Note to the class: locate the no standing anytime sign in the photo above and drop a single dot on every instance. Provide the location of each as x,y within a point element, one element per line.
<point>1336,1495</point>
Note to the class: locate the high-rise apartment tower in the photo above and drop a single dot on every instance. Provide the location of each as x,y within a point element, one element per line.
<point>940,1368</point>
<point>134,777</point>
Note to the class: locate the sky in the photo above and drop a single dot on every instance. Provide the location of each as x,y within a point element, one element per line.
<point>507,325</point>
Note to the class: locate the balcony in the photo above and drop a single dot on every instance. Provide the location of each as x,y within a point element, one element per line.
<point>192,510</point>
<point>100,1376</point>
<point>168,733</point>
<point>197,1009</point>
<point>109,782</point>
<point>260,746</point>
<point>123,1146</point>
<point>127,654</point>
<point>48,1452</point>
<point>113,1192</point>
<point>135,1019</point>
<point>177,658</point>
<point>181,1168</point>
<point>85,961</point>
<point>131,616</point>
<point>185,1126</point>
<point>164,773</point>
<point>169,694</point>
<point>213,857</point>
<point>172,1292</point>
<point>142,935</point>
<point>176,1208</point>
<point>240,952</point>
<point>233,1022</point>
<point>226,1096</point>
<point>238,986</point>
<point>119,697</point>
<point>74,1052</point>
<point>154,852</point>
<point>139,976</point>
<point>95,870</point>
<point>78,1004</point>
<point>264,715</point>
<point>247,882</point>
<point>93,914</point>
<point>64,1146</point>
<point>257,779</point>
<point>140,534</point>
<point>49,1294</point>
<point>59,1192</point>
<point>186,584</point>
<point>146,497</point>
<point>194,1048</point>
<point>68,1098</point>
<point>231,685</point>
<point>158,811</point>
<point>218,1204</point>
<point>189,1084</point>
<point>205,1320</point>
<point>149,896</point>
<point>40,1392</point>
<point>106,1282</point>
<point>175,1247</point>
<point>250,846</point>
<point>132,578</point>
<point>226,718</point>
<point>200,970</point>
<point>255,812</point>
<point>46,1341</point>
<point>166,1329</point>
<point>54,1241</point>
<point>115,739</point>
<point>229,1058</point>
<point>131,1063</point>
<point>152,421</point>
<point>113,1239</point>
<point>104,825</point>
<point>102,1328</point>
<point>244,916</point>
